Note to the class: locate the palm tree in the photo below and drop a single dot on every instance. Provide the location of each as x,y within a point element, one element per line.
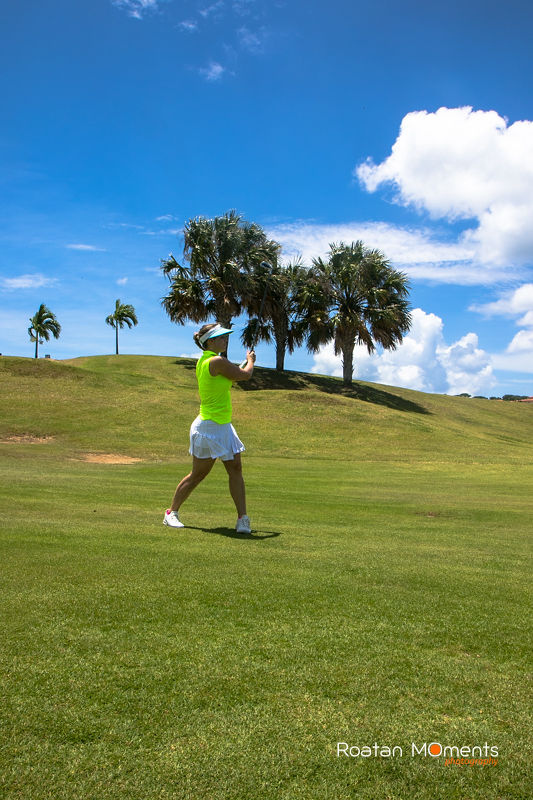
<point>280,286</point>
<point>123,315</point>
<point>220,253</point>
<point>355,297</point>
<point>43,323</point>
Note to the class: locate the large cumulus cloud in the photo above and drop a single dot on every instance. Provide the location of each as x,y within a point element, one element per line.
<point>461,164</point>
<point>424,361</point>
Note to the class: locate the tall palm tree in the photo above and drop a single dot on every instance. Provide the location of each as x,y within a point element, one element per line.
<point>124,314</point>
<point>280,286</point>
<point>43,323</point>
<point>354,297</point>
<point>220,252</point>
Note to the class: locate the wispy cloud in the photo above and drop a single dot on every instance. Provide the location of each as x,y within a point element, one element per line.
<point>122,281</point>
<point>214,8</point>
<point>125,225</point>
<point>85,248</point>
<point>514,362</point>
<point>512,303</point>
<point>33,280</point>
<point>188,25</point>
<point>246,38</point>
<point>250,40</point>
<point>516,303</point>
<point>417,251</point>
<point>213,72</point>
<point>136,8</point>
<point>163,232</point>
<point>243,7</point>
<point>144,230</point>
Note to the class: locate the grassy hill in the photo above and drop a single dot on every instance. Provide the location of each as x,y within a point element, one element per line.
<point>384,596</point>
<point>143,406</point>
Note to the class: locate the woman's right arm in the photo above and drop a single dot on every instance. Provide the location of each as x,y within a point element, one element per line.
<point>221,366</point>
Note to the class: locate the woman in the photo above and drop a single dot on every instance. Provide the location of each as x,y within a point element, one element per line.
<point>212,435</point>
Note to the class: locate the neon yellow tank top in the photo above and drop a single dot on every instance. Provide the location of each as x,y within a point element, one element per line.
<point>215,399</point>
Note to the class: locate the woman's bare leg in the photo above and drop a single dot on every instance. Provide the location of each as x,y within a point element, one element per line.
<point>236,483</point>
<point>201,467</point>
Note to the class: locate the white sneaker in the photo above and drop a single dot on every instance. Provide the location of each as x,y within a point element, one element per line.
<point>172,520</point>
<point>243,525</point>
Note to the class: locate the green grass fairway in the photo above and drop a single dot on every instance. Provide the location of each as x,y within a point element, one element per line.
<point>383,597</point>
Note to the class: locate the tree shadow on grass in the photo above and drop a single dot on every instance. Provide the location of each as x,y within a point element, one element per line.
<point>231,533</point>
<point>265,379</point>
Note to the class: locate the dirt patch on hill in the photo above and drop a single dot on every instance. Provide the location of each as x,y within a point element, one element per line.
<point>25,439</point>
<point>109,458</point>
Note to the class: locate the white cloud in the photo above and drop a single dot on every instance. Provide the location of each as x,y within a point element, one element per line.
<point>416,251</point>
<point>122,281</point>
<point>29,281</point>
<point>163,232</point>
<point>423,361</point>
<point>188,25</point>
<point>85,248</point>
<point>458,163</point>
<point>213,72</point>
<point>136,8</point>
<point>125,225</point>
<point>527,319</point>
<point>522,343</point>
<point>468,369</point>
<point>514,362</point>
<point>512,303</point>
<point>166,218</point>
<point>517,303</point>
<point>212,9</point>
<point>249,40</point>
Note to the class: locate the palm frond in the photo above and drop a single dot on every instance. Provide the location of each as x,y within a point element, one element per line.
<point>186,300</point>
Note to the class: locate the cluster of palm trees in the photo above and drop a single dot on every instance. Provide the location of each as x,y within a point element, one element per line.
<point>354,297</point>
<point>44,323</point>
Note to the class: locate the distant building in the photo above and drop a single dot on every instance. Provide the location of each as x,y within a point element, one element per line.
<point>526,400</point>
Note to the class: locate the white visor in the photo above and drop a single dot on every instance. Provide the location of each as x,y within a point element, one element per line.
<point>218,330</point>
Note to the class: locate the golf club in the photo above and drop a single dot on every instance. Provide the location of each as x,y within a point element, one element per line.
<point>253,343</point>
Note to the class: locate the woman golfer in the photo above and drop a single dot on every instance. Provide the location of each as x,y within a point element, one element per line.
<point>212,435</point>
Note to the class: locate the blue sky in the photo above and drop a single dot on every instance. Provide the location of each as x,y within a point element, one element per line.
<point>405,124</point>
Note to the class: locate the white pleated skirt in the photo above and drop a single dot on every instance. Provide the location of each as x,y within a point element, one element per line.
<point>208,439</point>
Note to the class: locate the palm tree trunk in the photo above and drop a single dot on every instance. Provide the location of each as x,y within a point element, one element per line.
<point>281,334</point>
<point>347,363</point>
<point>116,331</point>
<point>280,355</point>
<point>223,317</point>
<point>222,311</point>
<point>37,347</point>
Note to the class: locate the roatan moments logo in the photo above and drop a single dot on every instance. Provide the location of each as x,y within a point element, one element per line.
<point>457,755</point>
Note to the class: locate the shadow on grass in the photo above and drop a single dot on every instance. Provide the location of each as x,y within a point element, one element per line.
<point>231,533</point>
<point>270,379</point>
